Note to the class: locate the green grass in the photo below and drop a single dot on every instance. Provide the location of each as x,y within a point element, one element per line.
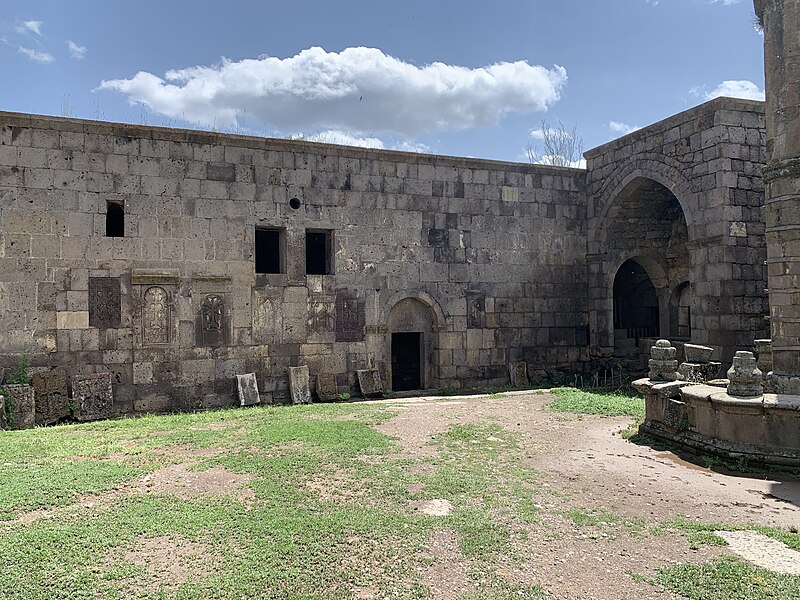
<point>570,400</point>
<point>728,578</point>
<point>700,534</point>
<point>330,509</point>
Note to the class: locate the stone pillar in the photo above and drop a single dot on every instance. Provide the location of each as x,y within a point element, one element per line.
<point>744,377</point>
<point>782,181</point>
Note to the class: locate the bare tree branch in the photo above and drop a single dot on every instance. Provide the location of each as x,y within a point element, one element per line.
<point>560,147</point>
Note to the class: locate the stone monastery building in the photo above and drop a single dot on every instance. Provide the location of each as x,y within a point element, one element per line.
<point>175,259</point>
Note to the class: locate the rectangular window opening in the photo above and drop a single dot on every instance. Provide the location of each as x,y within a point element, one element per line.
<point>115,219</point>
<point>269,251</point>
<point>318,252</point>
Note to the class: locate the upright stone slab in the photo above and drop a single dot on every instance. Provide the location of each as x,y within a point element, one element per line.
<point>3,420</point>
<point>105,307</point>
<point>20,405</point>
<point>327,390</point>
<point>518,372</point>
<point>248,389</point>
<point>299,385</point>
<point>93,396</point>
<point>370,382</point>
<point>52,396</point>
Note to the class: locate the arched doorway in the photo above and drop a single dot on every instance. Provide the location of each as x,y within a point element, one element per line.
<point>636,309</point>
<point>680,312</point>
<point>411,327</point>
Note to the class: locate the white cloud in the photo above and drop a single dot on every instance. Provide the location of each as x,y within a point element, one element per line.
<point>622,128</point>
<point>356,90</point>
<point>559,161</point>
<point>409,146</point>
<point>736,89</point>
<point>30,27</point>
<point>75,51</point>
<point>333,136</point>
<point>725,2</point>
<point>36,56</point>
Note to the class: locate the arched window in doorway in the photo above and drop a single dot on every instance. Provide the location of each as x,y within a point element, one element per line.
<point>680,312</point>
<point>635,306</point>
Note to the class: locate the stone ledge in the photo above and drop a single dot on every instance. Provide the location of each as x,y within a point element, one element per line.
<point>146,277</point>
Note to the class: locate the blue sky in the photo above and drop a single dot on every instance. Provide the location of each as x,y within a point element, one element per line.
<point>451,77</point>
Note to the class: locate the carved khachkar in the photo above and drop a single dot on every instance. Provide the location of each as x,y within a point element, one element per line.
<point>93,396</point>
<point>52,396</point>
<point>104,302</point>
<point>321,317</point>
<point>248,389</point>
<point>267,321</point>
<point>299,385</point>
<point>663,364</point>
<point>350,318</point>
<point>745,376</point>
<point>155,316</point>
<point>518,372</point>
<point>327,390</point>
<point>370,382</point>
<point>212,320</point>
<point>20,405</point>
<point>476,312</point>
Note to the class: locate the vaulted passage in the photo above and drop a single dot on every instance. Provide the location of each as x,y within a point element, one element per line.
<point>406,361</point>
<point>644,260</point>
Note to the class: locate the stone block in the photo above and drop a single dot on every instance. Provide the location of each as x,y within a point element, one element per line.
<point>299,385</point>
<point>93,396</point>
<point>370,382</point>
<point>518,372</point>
<point>247,387</point>
<point>20,406</point>
<point>72,319</point>
<point>327,390</point>
<point>52,396</point>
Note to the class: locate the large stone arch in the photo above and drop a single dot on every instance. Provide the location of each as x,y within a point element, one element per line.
<point>637,215</point>
<point>655,167</point>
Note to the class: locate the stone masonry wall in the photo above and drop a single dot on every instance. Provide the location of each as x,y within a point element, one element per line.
<point>496,253</point>
<point>710,157</point>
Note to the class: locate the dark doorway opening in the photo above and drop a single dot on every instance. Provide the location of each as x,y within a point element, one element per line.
<point>635,304</point>
<point>406,361</point>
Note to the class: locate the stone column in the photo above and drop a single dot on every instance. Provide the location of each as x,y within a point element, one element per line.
<point>782,181</point>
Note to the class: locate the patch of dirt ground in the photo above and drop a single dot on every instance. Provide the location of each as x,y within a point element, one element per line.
<point>164,564</point>
<point>585,465</point>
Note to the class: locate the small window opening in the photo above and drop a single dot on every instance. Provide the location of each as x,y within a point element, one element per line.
<point>294,203</point>
<point>269,251</point>
<point>115,219</point>
<point>318,253</point>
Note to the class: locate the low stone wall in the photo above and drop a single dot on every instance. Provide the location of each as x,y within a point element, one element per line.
<point>764,430</point>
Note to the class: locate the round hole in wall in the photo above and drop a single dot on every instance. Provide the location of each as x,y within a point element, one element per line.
<point>294,203</point>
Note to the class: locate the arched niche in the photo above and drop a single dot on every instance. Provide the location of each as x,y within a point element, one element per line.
<point>412,328</point>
